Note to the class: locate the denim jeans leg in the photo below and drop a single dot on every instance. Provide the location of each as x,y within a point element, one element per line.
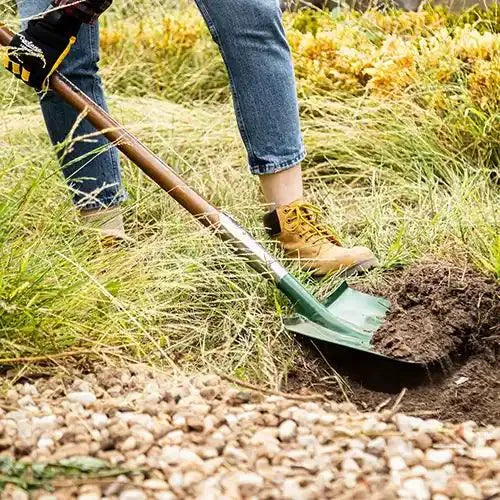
<point>251,38</point>
<point>91,166</point>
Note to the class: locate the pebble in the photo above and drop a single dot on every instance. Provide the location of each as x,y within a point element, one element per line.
<point>129,444</point>
<point>376,446</point>
<point>175,437</point>
<point>89,492</point>
<point>483,453</point>
<point>437,458</point>
<point>397,463</point>
<point>407,423</point>
<point>249,483</point>
<point>45,423</point>
<point>85,398</point>
<point>235,455</point>
<point>155,484</point>
<point>349,465</point>
<point>287,430</point>
<point>468,490</point>
<point>431,425</point>
<point>99,420</point>
<point>133,494</point>
<point>45,442</point>
<point>422,440</point>
<point>176,480</point>
<point>415,488</point>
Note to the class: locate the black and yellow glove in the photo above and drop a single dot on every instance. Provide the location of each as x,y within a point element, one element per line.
<point>35,53</point>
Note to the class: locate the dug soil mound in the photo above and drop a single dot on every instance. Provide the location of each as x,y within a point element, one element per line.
<point>438,309</point>
<point>445,319</point>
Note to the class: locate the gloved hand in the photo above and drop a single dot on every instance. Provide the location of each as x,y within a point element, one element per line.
<point>35,53</point>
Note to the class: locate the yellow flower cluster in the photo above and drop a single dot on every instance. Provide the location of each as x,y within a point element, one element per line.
<point>374,52</point>
<point>389,53</point>
<point>174,32</point>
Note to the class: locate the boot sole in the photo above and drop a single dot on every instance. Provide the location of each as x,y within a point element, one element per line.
<point>359,268</point>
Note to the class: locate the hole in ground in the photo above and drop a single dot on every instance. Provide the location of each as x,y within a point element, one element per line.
<point>443,316</point>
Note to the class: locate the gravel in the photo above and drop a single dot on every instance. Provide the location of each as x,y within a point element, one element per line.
<point>200,438</point>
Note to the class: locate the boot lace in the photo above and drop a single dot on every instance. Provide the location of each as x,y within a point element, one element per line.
<point>304,219</point>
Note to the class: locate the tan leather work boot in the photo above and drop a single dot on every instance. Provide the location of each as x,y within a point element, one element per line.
<point>109,223</point>
<point>297,227</point>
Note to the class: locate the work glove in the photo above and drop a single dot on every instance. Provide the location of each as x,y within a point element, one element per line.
<point>35,53</point>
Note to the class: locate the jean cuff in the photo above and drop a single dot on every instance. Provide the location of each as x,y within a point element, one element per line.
<point>101,202</point>
<point>275,167</point>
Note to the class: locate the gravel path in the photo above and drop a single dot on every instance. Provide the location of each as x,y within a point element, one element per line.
<point>200,438</point>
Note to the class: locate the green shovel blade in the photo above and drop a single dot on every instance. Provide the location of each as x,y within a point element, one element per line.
<point>347,317</point>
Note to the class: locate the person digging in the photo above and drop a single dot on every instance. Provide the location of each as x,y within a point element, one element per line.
<point>64,35</point>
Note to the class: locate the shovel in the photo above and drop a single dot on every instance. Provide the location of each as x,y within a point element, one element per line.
<point>347,317</point>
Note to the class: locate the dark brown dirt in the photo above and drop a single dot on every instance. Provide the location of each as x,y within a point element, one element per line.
<point>440,313</point>
<point>437,309</point>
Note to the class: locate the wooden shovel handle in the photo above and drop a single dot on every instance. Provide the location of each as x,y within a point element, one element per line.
<point>130,146</point>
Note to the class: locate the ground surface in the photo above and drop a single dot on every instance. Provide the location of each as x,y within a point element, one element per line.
<point>201,438</point>
<point>443,317</point>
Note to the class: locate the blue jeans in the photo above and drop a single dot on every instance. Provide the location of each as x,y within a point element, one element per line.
<point>251,39</point>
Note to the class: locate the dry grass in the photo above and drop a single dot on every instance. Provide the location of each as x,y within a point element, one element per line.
<point>392,174</point>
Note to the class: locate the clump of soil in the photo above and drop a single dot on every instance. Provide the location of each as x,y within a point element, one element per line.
<point>445,318</point>
<point>437,309</point>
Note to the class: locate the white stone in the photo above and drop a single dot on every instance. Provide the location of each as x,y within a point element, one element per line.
<point>397,463</point>
<point>418,470</point>
<point>307,440</point>
<point>328,419</point>
<point>292,490</point>
<point>18,494</point>
<point>141,419</point>
<point>407,423</point>
<point>249,483</point>
<point>437,458</point>
<point>171,454</point>
<point>376,446</point>
<point>129,444</point>
<point>175,437</point>
<point>176,480</point>
<point>235,455</point>
<point>437,479</point>
<point>483,453</point>
<point>45,423</point>
<point>466,432</point>
<point>24,428</point>
<point>287,430</point>
<point>155,484</point>
<point>187,455</point>
<point>468,490</point>
<point>431,425</point>
<point>350,479</point>
<point>165,495</point>
<point>350,465</point>
<point>85,398</point>
<point>416,489</point>
<point>397,446</point>
<point>90,496</point>
<point>179,420</point>
<point>99,420</point>
<point>142,436</point>
<point>132,494</point>
<point>45,442</point>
